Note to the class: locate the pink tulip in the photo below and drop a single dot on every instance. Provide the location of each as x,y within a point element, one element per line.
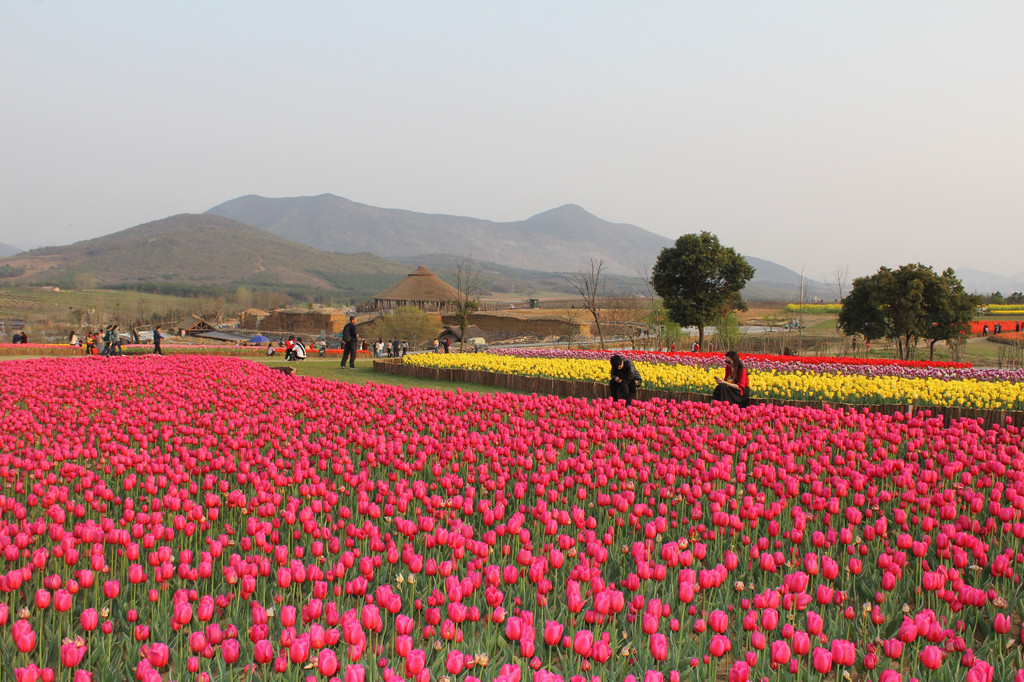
<point>72,653</point>
<point>822,660</point>
<point>327,663</point>
<point>263,651</point>
<point>931,657</point>
<point>159,655</point>
<point>415,662</point>
<point>582,642</point>
<point>552,632</point>
<point>659,646</point>
<point>89,619</point>
<point>720,645</point>
<point>740,672</point>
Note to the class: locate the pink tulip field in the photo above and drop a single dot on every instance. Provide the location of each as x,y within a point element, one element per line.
<point>207,518</point>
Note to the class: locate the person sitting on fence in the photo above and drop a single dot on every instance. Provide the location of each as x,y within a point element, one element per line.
<point>735,387</point>
<point>625,380</point>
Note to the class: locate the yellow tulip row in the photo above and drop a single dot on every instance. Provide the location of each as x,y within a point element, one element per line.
<point>837,388</point>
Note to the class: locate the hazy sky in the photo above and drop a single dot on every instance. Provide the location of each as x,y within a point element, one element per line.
<point>814,134</point>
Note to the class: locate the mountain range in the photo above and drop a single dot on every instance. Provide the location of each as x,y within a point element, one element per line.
<point>560,240</point>
<point>329,243</point>
<point>204,250</point>
<point>8,250</point>
<point>563,239</point>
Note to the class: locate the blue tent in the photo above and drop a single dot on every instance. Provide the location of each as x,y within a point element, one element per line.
<point>259,338</point>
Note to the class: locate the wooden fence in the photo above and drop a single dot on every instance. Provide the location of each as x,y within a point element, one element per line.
<point>590,391</point>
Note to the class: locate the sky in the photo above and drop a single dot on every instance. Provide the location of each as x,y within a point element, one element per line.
<point>818,135</point>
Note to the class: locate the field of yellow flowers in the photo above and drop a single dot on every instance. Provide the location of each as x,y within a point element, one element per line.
<point>770,384</point>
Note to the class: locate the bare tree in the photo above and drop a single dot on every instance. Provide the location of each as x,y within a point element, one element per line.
<point>590,287</point>
<point>838,279</point>
<point>572,325</point>
<point>627,316</point>
<point>470,288</point>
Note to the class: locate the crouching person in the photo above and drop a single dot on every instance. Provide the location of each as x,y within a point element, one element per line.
<point>298,351</point>
<point>624,380</point>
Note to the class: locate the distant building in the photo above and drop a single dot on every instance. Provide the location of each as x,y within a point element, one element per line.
<point>192,325</point>
<point>300,320</point>
<point>252,318</point>
<point>453,335</point>
<point>422,289</point>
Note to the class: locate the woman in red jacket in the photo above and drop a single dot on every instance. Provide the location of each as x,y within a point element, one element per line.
<point>735,387</point>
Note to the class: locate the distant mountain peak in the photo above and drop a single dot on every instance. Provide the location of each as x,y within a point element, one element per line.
<point>566,211</point>
<point>8,250</point>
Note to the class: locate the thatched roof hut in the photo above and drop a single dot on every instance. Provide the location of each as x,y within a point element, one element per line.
<point>422,289</point>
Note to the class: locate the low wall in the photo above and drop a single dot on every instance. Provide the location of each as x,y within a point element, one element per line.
<point>548,325</point>
<point>591,391</point>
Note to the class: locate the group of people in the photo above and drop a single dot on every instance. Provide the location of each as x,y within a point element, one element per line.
<point>107,341</point>
<point>294,349</point>
<point>390,349</point>
<point>733,388</point>
<point>997,328</point>
<point>19,337</point>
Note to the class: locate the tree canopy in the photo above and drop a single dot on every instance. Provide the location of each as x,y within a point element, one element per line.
<point>700,280</point>
<point>405,322</point>
<point>907,304</point>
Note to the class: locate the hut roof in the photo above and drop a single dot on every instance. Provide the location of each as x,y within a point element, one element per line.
<point>222,336</point>
<point>472,332</point>
<point>420,285</point>
<point>193,323</point>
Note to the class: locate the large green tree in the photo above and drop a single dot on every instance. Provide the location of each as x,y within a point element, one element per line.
<point>907,304</point>
<point>700,280</point>
<point>950,309</point>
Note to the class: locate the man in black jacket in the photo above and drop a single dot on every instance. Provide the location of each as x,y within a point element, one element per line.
<point>624,379</point>
<point>350,339</point>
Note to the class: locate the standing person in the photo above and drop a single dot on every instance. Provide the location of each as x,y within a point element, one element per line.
<point>157,338</point>
<point>447,343</point>
<point>394,348</point>
<point>735,387</point>
<point>90,343</point>
<point>105,338</point>
<point>405,346</point>
<point>624,379</point>
<point>115,334</point>
<point>437,346</point>
<point>350,339</point>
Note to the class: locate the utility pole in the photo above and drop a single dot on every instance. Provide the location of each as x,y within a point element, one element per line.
<point>800,315</point>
